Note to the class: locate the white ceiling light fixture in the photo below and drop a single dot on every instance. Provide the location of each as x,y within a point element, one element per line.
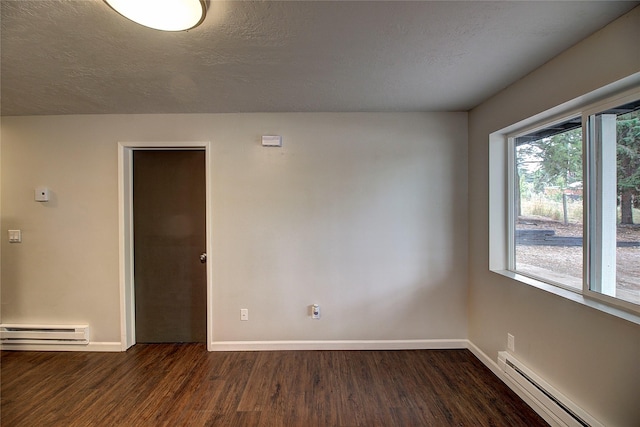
<point>165,15</point>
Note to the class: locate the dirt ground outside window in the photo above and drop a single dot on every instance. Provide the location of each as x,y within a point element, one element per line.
<point>566,261</point>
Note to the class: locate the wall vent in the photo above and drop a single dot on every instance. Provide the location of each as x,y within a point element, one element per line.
<point>44,334</point>
<point>562,410</point>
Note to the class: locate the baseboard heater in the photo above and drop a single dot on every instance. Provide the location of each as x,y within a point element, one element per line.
<point>44,334</point>
<point>551,401</point>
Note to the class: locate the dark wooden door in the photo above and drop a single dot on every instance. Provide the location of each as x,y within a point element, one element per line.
<point>169,236</point>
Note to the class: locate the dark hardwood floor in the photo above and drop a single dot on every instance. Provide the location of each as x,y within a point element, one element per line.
<point>183,384</point>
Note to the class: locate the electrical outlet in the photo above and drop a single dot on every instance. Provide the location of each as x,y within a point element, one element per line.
<point>244,314</point>
<point>511,342</point>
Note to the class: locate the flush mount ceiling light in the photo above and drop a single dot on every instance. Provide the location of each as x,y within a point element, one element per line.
<point>165,15</point>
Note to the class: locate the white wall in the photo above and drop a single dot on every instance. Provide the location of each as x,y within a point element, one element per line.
<point>365,214</point>
<point>592,357</point>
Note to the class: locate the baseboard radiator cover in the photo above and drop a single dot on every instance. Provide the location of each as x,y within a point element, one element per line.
<point>557,405</point>
<point>44,334</point>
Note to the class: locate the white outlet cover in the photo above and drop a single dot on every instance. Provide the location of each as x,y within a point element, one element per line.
<point>511,342</point>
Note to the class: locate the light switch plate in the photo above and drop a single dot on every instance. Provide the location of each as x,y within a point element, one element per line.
<point>15,236</point>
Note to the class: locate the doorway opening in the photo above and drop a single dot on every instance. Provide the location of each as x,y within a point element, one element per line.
<point>169,239</point>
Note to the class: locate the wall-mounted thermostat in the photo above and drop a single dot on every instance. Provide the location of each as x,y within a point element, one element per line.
<point>271,140</point>
<point>42,194</point>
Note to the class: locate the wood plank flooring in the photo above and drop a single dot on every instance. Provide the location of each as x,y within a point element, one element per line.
<point>183,384</point>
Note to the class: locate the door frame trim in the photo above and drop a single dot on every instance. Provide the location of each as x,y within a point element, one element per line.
<point>125,233</point>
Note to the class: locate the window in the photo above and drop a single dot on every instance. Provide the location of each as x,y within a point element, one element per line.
<point>574,202</point>
<point>614,201</point>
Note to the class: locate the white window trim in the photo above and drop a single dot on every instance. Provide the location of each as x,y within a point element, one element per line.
<point>501,197</point>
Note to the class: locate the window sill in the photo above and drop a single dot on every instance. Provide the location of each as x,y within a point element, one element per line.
<point>573,296</point>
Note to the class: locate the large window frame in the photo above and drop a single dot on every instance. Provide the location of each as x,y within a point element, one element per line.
<point>502,198</point>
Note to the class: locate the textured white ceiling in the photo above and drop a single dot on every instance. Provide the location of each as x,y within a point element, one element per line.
<point>80,57</point>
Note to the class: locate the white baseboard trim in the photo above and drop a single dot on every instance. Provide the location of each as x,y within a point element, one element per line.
<point>427,344</point>
<point>534,403</point>
<point>338,345</point>
<point>92,346</point>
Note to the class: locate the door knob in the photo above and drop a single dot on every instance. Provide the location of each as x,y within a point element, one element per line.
<point>203,257</point>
